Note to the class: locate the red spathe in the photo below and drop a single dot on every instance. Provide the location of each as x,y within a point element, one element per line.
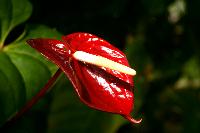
<point>98,87</point>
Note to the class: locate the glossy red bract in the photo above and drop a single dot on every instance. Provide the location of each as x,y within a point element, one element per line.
<point>98,87</point>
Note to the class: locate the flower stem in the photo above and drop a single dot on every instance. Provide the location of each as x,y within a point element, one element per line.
<point>36,98</point>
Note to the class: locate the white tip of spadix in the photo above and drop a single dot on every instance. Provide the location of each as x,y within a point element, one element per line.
<point>103,62</point>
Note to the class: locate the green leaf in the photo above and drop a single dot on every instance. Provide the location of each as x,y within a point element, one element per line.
<point>34,31</point>
<point>23,72</point>
<point>69,114</point>
<point>12,89</point>
<point>21,11</point>
<point>32,71</point>
<point>12,13</point>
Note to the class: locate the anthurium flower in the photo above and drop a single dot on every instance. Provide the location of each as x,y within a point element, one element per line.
<point>98,71</point>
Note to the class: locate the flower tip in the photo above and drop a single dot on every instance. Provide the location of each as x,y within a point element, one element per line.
<point>132,120</point>
<point>30,42</point>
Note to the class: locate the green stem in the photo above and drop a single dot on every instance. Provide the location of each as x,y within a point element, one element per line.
<point>3,38</point>
<point>1,44</point>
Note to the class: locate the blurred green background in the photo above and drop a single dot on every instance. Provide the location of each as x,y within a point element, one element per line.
<point>162,43</point>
